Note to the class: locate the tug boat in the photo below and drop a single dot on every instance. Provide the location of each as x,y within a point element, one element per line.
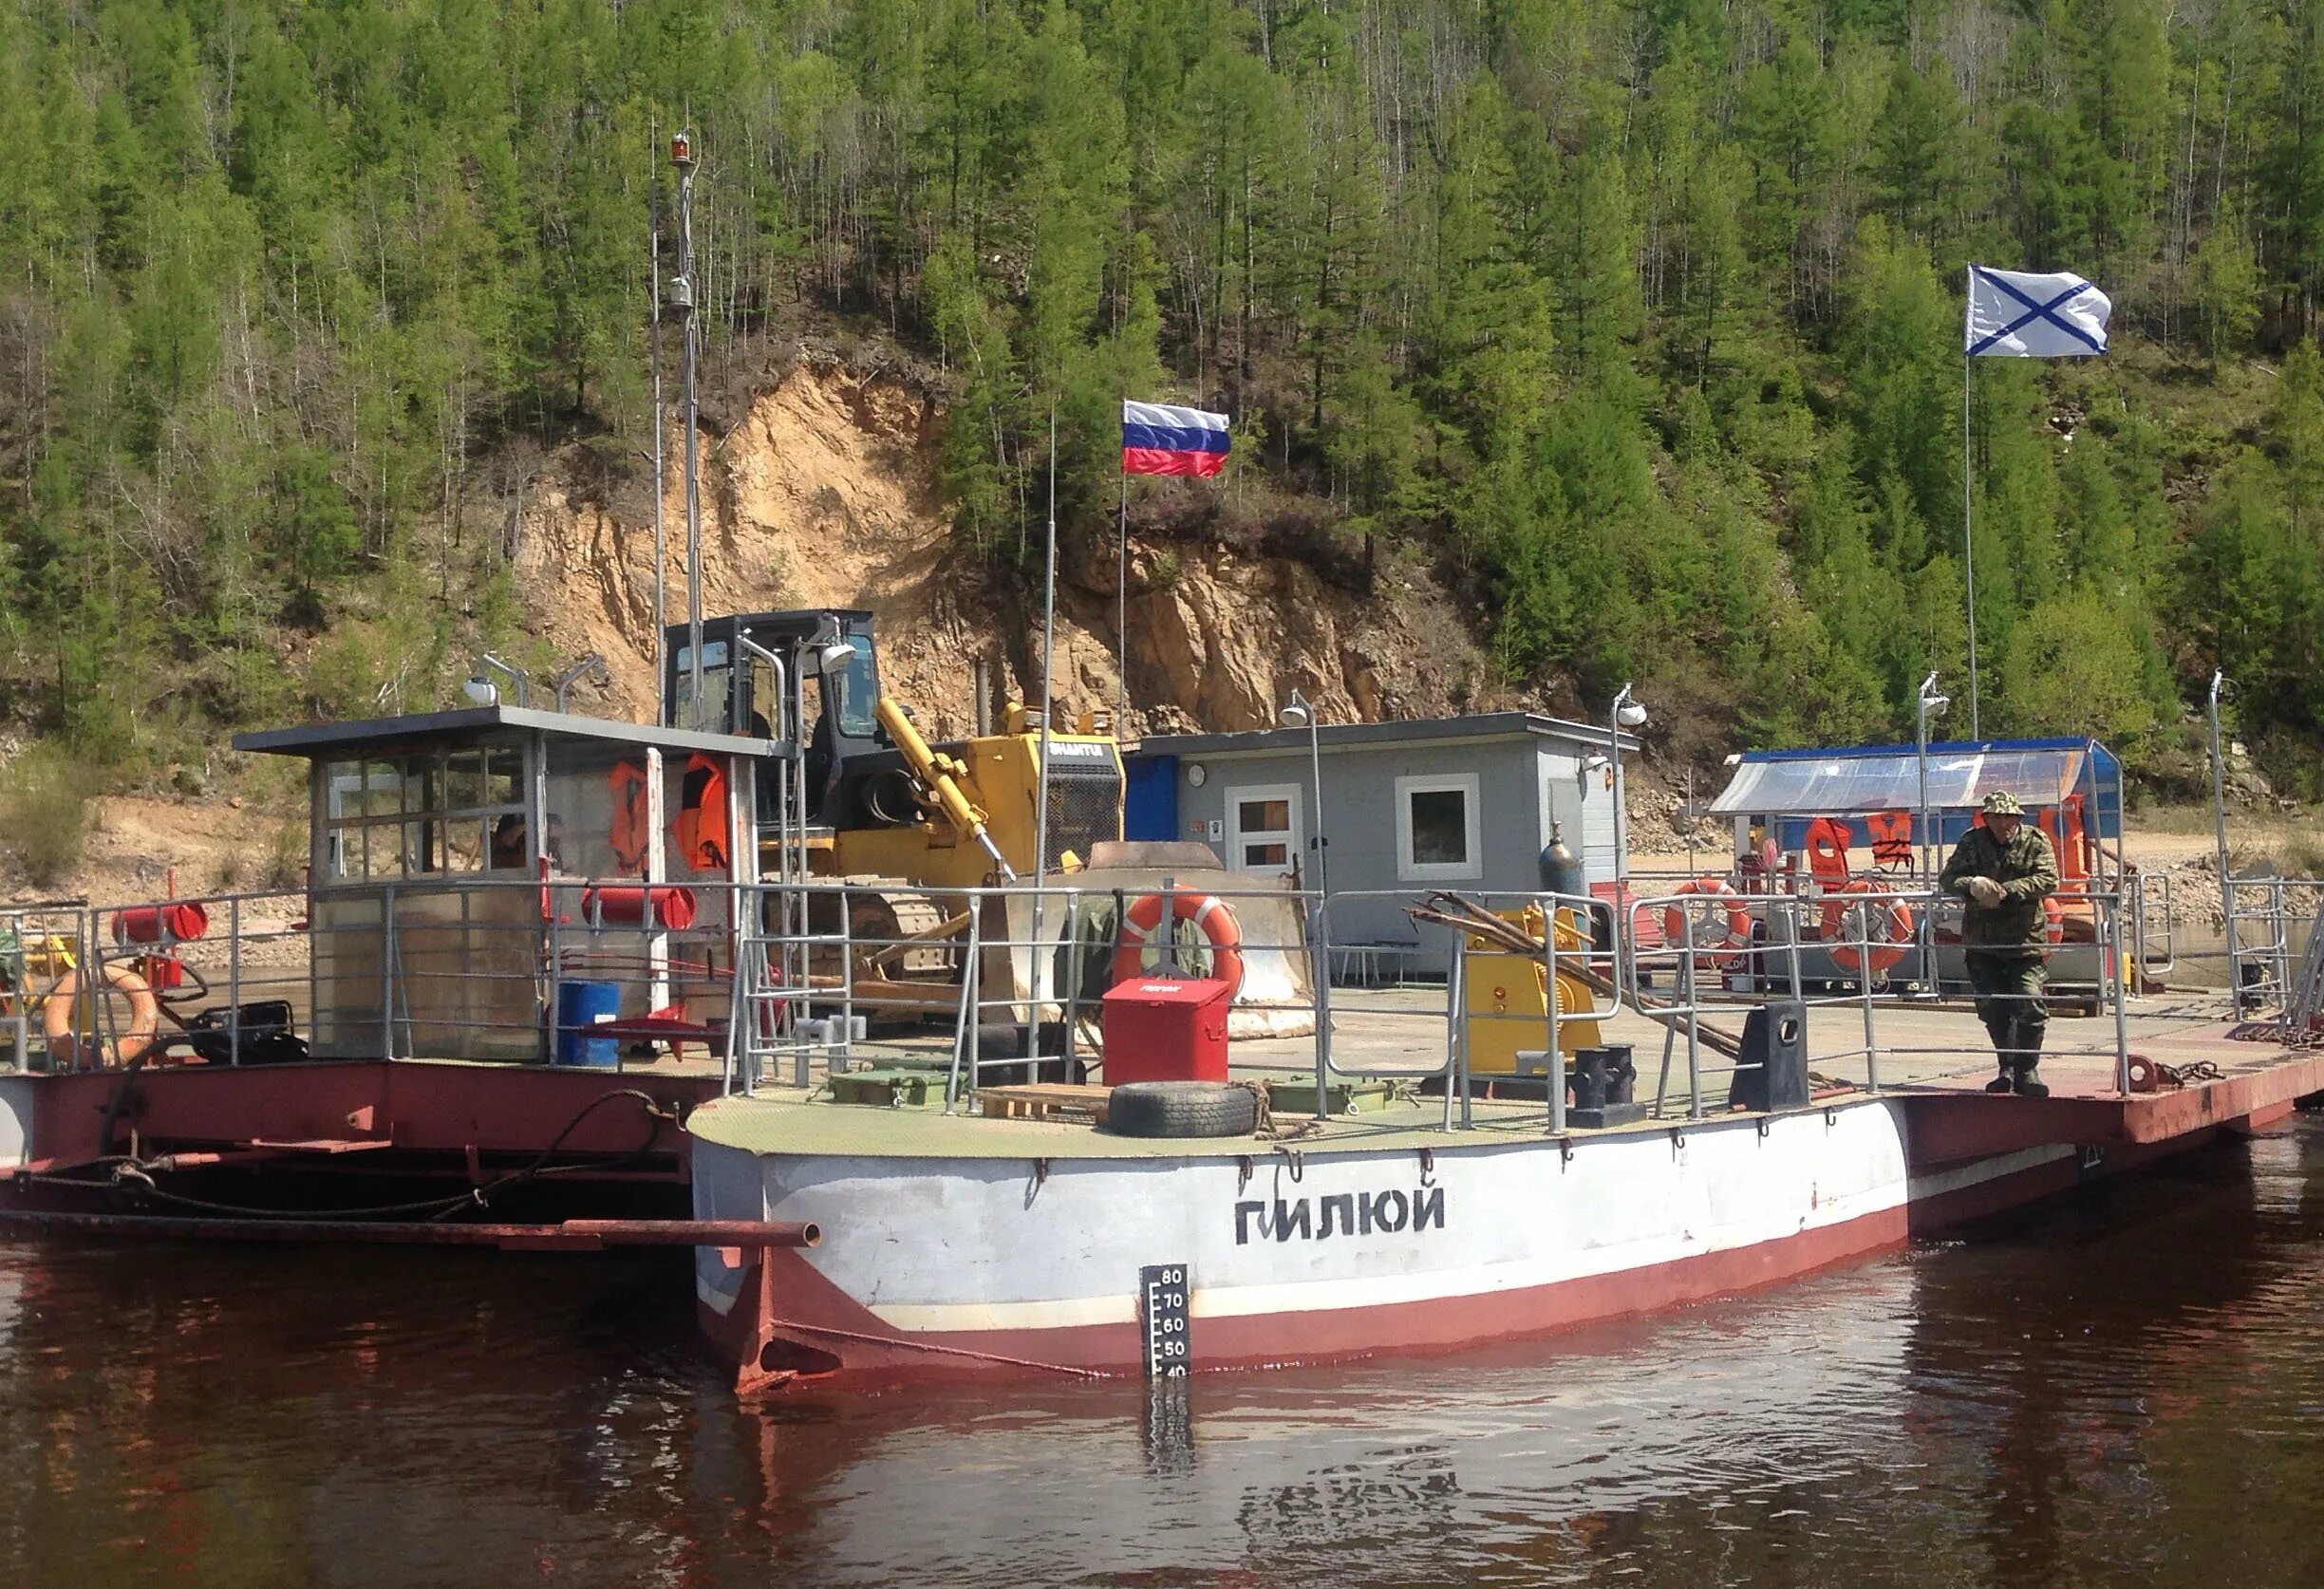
<point>957,1244</point>
<point>1004,1229</point>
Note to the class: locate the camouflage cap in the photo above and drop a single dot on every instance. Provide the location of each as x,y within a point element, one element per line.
<point>2002,803</point>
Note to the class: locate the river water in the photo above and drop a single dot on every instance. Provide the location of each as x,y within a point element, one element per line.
<point>2126,1388</point>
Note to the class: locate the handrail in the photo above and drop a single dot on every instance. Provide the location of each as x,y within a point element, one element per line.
<point>792,993</point>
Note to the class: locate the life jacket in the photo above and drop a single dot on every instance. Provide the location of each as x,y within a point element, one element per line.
<point>701,828</point>
<point>1828,850</point>
<point>631,835</point>
<point>1891,833</point>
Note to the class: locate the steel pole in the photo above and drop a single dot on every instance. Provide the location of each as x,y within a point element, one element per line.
<point>683,157</point>
<point>661,616</point>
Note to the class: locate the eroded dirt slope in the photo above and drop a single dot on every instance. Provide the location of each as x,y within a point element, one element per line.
<point>824,493</point>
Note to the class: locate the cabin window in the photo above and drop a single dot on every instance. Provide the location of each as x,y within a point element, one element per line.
<point>1263,827</point>
<point>717,688</point>
<point>1437,829</point>
<point>419,815</point>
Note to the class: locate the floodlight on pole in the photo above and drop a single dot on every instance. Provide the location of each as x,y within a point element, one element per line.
<point>1626,713</point>
<point>480,689</point>
<point>1927,704</point>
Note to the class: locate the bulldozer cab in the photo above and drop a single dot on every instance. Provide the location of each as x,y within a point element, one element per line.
<point>810,675</point>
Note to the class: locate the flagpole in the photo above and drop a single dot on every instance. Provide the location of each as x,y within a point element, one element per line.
<point>1968,524</point>
<point>1121,617</point>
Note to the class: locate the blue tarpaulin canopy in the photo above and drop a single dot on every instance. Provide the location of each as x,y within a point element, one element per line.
<point>1863,778</point>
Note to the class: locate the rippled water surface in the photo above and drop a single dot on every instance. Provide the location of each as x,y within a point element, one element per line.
<point>2125,1388</point>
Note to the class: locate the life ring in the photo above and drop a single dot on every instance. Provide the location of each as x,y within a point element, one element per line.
<point>1207,911</point>
<point>2053,920</point>
<point>1828,852</point>
<point>1897,920</point>
<point>64,1045</point>
<point>1710,887</point>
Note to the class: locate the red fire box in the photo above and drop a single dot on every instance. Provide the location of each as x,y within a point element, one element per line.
<point>1164,1031</point>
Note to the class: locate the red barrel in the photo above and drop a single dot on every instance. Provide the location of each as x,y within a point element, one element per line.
<point>179,922</point>
<point>625,905</point>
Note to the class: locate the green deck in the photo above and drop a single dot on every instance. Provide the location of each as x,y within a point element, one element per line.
<point>791,1121</point>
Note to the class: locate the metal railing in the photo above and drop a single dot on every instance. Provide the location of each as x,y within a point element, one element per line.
<point>790,983</point>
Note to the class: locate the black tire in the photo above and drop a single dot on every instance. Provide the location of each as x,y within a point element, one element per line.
<point>1178,1108</point>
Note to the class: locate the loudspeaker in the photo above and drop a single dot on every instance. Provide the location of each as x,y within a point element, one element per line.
<point>1772,1072</point>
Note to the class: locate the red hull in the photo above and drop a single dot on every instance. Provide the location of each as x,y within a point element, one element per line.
<point>290,1126</point>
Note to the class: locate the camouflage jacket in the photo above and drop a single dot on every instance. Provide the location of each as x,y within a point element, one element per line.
<point>2028,874</point>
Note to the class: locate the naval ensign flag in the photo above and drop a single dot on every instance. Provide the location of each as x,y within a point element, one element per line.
<point>2016,315</point>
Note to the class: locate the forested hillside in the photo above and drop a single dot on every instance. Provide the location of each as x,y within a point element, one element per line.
<point>1638,322</point>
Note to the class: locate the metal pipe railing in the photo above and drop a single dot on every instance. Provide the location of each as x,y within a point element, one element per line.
<point>783,989</point>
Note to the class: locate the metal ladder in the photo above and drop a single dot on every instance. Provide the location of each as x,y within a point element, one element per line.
<point>773,988</point>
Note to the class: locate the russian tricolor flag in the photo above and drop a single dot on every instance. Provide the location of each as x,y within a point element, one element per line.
<point>1158,439</point>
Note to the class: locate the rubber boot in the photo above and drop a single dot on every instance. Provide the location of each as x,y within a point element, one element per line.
<point>2004,1036</point>
<point>2029,1084</point>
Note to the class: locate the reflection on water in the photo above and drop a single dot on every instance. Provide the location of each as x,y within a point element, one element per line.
<point>2128,1388</point>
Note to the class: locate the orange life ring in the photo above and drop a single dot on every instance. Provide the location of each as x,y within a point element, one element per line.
<point>1711,887</point>
<point>1207,911</point>
<point>64,1045</point>
<point>1828,852</point>
<point>2054,920</point>
<point>1898,921</point>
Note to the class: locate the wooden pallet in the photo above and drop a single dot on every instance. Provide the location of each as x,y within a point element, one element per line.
<point>1053,1100</point>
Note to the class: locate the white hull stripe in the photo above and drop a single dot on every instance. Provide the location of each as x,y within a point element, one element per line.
<point>1369,1291</point>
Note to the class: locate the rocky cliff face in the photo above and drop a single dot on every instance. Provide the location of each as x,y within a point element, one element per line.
<point>824,493</point>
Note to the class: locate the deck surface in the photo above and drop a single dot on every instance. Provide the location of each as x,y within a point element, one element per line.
<point>1935,1055</point>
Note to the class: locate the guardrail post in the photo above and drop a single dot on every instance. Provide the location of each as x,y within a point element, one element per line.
<point>1689,992</point>
<point>1456,988</point>
<point>1864,983</point>
<point>1319,942</point>
<point>1553,1069</point>
<point>233,981</point>
<point>1792,939</point>
<point>964,1029</point>
<point>2122,1016</point>
<point>387,956</point>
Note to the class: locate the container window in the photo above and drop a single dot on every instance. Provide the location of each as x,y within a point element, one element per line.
<point>1437,829</point>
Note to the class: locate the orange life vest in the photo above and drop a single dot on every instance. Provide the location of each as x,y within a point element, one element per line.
<point>701,828</point>
<point>1891,833</point>
<point>1828,850</point>
<point>631,835</point>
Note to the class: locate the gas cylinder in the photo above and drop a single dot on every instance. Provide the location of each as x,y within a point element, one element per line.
<point>1560,870</point>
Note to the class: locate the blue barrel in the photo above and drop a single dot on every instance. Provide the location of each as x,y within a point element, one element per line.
<point>579,1007</point>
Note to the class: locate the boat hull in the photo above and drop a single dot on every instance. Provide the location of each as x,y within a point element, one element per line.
<point>986,1265</point>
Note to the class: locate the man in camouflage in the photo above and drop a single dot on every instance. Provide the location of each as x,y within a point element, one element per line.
<point>2003,870</point>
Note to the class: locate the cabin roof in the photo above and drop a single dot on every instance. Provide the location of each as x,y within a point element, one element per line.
<point>360,735</point>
